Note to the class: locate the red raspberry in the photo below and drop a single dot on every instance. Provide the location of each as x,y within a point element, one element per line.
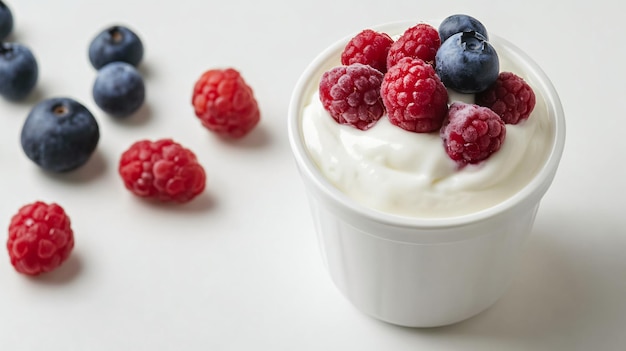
<point>224,103</point>
<point>40,238</point>
<point>414,97</point>
<point>420,41</point>
<point>162,170</point>
<point>369,48</point>
<point>510,97</point>
<point>351,94</point>
<point>471,133</point>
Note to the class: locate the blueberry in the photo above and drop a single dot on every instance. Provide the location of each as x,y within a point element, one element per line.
<point>18,71</point>
<point>116,43</point>
<point>119,89</point>
<point>6,21</point>
<point>460,23</point>
<point>467,63</point>
<point>59,134</point>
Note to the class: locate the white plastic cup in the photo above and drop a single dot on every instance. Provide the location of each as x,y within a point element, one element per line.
<point>420,272</point>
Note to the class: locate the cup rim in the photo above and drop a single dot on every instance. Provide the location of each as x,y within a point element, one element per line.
<point>533,189</point>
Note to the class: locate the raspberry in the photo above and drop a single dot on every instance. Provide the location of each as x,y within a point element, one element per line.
<point>510,97</point>
<point>351,94</point>
<point>414,97</point>
<point>420,41</point>
<point>471,133</point>
<point>163,170</point>
<point>224,103</point>
<point>40,238</point>
<point>369,48</point>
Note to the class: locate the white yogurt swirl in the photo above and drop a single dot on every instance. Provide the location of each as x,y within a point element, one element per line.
<point>410,174</point>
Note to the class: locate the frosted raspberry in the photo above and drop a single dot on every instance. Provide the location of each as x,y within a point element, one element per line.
<point>420,41</point>
<point>369,48</point>
<point>414,97</point>
<point>40,238</point>
<point>471,133</point>
<point>351,94</point>
<point>510,97</point>
<point>225,104</point>
<point>163,170</point>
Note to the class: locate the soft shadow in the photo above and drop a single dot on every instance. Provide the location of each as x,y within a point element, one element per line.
<point>64,274</point>
<point>31,99</point>
<point>202,203</point>
<point>557,296</point>
<point>139,118</point>
<point>258,138</point>
<point>94,168</point>
<point>13,37</point>
<point>146,70</point>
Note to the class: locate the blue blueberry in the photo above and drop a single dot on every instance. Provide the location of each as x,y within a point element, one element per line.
<point>460,23</point>
<point>116,43</point>
<point>467,63</point>
<point>18,71</point>
<point>59,134</point>
<point>119,89</point>
<point>6,21</point>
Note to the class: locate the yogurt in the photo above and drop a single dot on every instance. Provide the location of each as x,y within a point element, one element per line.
<point>410,174</point>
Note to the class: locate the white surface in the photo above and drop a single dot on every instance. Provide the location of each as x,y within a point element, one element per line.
<point>239,268</point>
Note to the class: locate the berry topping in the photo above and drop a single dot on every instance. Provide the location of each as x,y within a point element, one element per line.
<point>59,134</point>
<point>460,23</point>
<point>116,43</point>
<point>6,21</point>
<point>18,71</point>
<point>414,97</point>
<point>40,238</point>
<point>224,103</point>
<point>510,97</point>
<point>471,133</point>
<point>119,89</point>
<point>351,94</point>
<point>163,170</point>
<point>369,48</point>
<point>420,41</point>
<point>467,63</point>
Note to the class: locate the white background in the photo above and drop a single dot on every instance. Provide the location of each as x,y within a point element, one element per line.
<point>238,268</point>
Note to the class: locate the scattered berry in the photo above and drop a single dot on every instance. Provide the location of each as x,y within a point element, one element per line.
<point>351,94</point>
<point>119,89</point>
<point>510,97</point>
<point>460,23</point>
<point>59,134</point>
<point>6,21</point>
<point>163,170</point>
<point>224,103</point>
<point>471,133</point>
<point>116,43</point>
<point>467,63</point>
<point>414,97</point>
<point>18,71</point>
<point>40,238</point>
<point>420,41</point>
<point>369,48</point>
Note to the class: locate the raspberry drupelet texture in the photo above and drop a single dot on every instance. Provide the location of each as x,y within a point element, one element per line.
<point>225,104</point>
<point>369,48</point>
<point>510,97</point>
<point>351,94</point>
<point>163,170</point>
<point>40,238</point>
<point>414,97</point>
<point>472,133</point>
<point>420,41</point>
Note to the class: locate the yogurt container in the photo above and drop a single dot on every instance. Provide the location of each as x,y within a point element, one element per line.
<point>415,241</point>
